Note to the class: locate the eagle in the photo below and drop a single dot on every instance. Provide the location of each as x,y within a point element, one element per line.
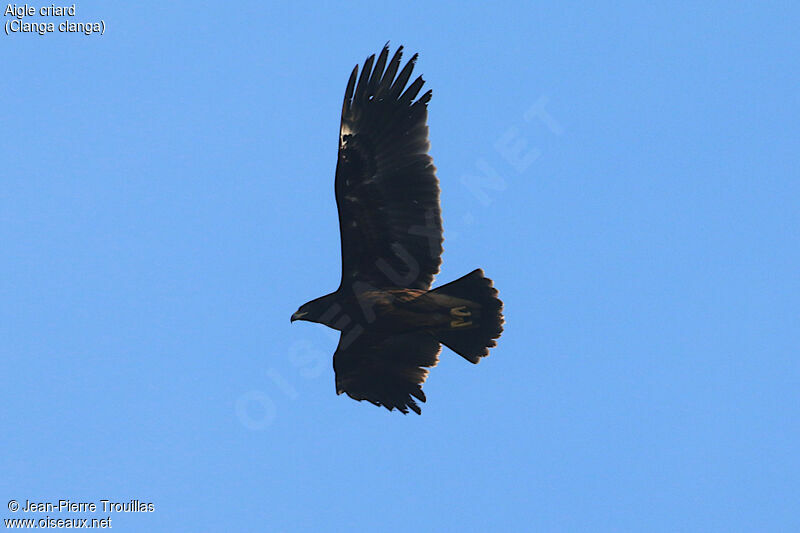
<point>392,324</point>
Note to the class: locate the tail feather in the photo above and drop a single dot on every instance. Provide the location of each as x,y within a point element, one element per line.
<point>477,316</point>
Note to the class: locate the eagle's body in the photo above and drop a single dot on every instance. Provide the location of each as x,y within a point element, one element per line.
<point>392,311</point>
<point>387,193</point>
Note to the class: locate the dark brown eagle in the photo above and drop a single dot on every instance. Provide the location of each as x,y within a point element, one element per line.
<point>387,193</point>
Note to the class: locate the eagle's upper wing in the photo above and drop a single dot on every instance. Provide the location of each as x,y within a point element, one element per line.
<point>386,187</point>
<point>385,371</point>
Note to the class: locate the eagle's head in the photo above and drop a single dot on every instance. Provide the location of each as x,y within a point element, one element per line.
<point>324,310</point>
<point>306,312</point>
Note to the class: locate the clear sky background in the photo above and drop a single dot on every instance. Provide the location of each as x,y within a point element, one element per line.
<point>627,175</point>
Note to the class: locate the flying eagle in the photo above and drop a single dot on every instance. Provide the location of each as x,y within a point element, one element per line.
<point>387,193</point>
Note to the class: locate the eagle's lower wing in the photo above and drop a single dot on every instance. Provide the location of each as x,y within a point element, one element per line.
<point>386,187</point>
<point>385,371</point>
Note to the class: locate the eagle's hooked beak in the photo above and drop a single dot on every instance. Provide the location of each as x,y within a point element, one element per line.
<point>298,315</point>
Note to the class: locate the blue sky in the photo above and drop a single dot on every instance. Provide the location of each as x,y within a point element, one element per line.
<point>627,175</point>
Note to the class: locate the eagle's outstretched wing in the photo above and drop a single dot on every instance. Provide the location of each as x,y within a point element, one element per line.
<point>386,187</point>
<point>385,371</point>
